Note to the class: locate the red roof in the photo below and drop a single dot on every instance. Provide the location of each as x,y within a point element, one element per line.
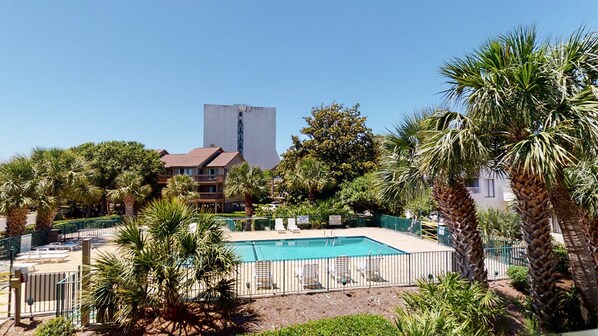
<point>223,159</point>
<point>194,158</point>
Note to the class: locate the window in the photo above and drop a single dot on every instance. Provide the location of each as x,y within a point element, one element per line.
<point>489,187</point>
<point>213,171</point>
<point>473,185</point>
<point>186,171</point>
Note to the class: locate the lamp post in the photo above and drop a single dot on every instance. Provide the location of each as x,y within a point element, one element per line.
<point>30,303</point>
<point>344,282</point>
<point>248,286</point>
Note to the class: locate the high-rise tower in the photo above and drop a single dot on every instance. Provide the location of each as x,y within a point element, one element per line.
<point>250,130</point>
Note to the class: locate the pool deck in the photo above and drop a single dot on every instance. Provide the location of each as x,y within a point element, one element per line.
<point>392,238</point>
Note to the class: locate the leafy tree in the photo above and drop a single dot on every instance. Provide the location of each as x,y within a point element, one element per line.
<point>112,158</point>
<point>246,181</point>
<point>17,193</point>
<point>337,136</point>
<point>167,270</point>
<point>310,175</point>
<point>129,189</point>
<point>361,194</point>
<point>537,105</point>
<point>181,187</point>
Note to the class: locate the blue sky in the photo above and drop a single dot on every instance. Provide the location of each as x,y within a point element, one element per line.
<point>78,71</point>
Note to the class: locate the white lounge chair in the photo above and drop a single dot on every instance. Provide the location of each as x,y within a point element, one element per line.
<point>309,275</point>
<point>339,269</point>
<point>370,268</point>
<point>292,225</point>
<point>43,256</point>
<point>263,274</point>
<point>279,225</point>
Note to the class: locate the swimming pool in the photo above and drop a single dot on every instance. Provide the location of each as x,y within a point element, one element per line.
<point>305,248</point>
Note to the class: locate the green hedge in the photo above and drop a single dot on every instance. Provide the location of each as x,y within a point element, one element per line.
<point>363,324</point>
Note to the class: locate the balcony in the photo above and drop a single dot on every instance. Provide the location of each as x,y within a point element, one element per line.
<point>201,179</point>
<point>211,196</point>
<point>209,178</point>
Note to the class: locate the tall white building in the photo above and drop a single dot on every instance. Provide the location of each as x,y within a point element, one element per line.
<point>250,130</point>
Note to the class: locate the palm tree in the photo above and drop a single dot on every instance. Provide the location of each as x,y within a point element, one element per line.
<point>181,187</point>
<point>512,92</point>
<point>167,270</point>
<point>428,148</point>
<point>247,181</point>
<point>311,175</point>
<point>583,181</point>
<point>17,193</point>
<point>451,152</point>
<point>130,189</point>
<point>56,170</point>
<point>83,191</point>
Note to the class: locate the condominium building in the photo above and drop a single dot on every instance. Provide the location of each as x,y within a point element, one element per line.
<point>249,130</point>
<point>208,167</point>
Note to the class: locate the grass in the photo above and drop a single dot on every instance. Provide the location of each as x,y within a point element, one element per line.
<point>363,324</point>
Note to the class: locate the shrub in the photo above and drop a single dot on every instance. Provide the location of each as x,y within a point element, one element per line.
<point>363,324</point>
<point>454,306</point>
<point>56,326</point>
<point>519,278</point>
<point>562,259</point>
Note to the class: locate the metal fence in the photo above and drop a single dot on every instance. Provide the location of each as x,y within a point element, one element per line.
<point>91,227</point>
<point>409,226</point>
<point>264,278</point>
<point>268,278</point>
<point>39,293</point>
<point>68,297</point>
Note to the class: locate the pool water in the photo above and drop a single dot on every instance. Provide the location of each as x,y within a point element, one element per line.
<point>292,249</point>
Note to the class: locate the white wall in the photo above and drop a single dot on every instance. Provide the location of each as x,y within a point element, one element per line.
<point>259,130</point>
<point>502,192</point>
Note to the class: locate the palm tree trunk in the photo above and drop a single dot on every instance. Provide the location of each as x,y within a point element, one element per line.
<point>16,219</point>
<point>311,196</point>
<point>129,206</point>
<point>104,203</point>
<point>590,230</point>
<point>45,217</point>
<point>248,201</point>
<point>578,250</point>
<point>459,211</point>
<point>532,203</point>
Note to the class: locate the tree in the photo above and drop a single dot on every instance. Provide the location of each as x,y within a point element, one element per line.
<point>310,175</point>
<point>112,158</point>
<point>583,181</point>
<point>130,189</point>
<point>437,149</point>
<point>515,93</point>
<point>337,136</point>
<point>450,153</point>
<point>361,194</point>
<point>83,191</point>
<point>17,193</point>
<point>247,181</point>
<point>56,172</point>
<point>168,271</point>
<point>181,187</point>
